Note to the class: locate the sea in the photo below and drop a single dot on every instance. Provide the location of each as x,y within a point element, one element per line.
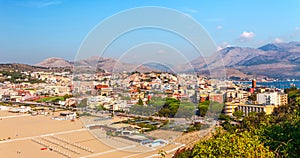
<point>272,84</point>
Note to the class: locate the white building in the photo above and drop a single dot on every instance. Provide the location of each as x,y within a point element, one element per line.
<point>268,98</point>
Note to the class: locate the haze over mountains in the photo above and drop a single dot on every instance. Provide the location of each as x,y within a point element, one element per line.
<point>54,62</point>
<point>107,64</point>
<point>278,60</point>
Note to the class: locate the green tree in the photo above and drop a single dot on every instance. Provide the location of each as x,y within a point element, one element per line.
<point>224,117</point>
<point>252,97</point>
<point>258,135</point>
<point>83,103</point>
<point>202,108</point>
<point>225,144</point>
<point>185,110</point>
<point>238,114</point>
<point>140,102</point>
<point>66,96</point>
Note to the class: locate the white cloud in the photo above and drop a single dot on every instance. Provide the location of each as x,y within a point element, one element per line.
<point>223,45</point>
<point>247,35</point>
<point>297,28</point>
<point>219,27</point>
<point>278,40</point>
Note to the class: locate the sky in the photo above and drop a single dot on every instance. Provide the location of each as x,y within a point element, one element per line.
<point>32,30</point>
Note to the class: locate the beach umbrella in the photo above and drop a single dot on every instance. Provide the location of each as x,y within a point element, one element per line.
<point>44,148</point>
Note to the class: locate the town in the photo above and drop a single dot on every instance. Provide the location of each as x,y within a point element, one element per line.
<point>151,109</point>
<point>123,91</point>
<point>153,79</point>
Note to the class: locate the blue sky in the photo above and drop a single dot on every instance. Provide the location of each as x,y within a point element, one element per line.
<point>32,30</point>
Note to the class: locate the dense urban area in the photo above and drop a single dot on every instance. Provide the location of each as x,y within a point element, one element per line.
<point>246,119</point>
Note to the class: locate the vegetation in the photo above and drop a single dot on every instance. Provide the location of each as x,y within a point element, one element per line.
<point>142,110</point>
<point>140,102</point>
<point>162,153</point>
<point>202,108</point>
<point>125,98</point>
<point>85,114</point>
<point>168,107</point>
<point>238,114</point>
<point>83,103</point>
<point>257,135</point>
<point>209,108</point>
<point>146,123</point>
<point>51,99</point>
<point>225,144</point>
<point>100,108</point>
<point>55,98</point>
<point>18,77</point>
<point>196,127</point>
<point>174,108</point>
<point>252,97</point>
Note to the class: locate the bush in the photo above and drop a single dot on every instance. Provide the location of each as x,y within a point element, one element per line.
<point>225,144</point>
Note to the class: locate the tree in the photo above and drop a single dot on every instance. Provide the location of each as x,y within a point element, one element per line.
<point>165,112</point>
<point>238,114</point>
<point>225,144</point>
<point>258,135</point>
<point>284,137</point>
<point>202,108</point>
<point>66,96</point>
<point>186,110</point>
<point>224,117</point>
<point>252,97</point>
<point>83,103</point>
<point>169,108</point>
<point>100,108</point>
<point>140,102</point>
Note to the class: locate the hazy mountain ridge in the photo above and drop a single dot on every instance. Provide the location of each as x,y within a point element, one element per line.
<point>54,62</point>
<point>279,60</point>
<point>103,63</point>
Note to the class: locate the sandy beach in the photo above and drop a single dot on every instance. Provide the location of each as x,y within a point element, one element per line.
<point>21,133</point>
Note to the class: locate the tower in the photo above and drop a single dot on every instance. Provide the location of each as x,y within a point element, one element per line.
<point>254,83</point>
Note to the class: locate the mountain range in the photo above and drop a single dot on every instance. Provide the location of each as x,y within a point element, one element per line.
<point>276,60</point>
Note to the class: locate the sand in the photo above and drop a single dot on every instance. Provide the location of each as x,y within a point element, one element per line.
<point>4,113</point>
<point>28,126</point>
<point>22,129</point>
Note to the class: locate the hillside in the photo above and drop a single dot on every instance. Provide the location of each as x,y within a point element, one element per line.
<point>29,68</point>
<point>107,64</point>
<point>279,60</point>
<point>54,62</point>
